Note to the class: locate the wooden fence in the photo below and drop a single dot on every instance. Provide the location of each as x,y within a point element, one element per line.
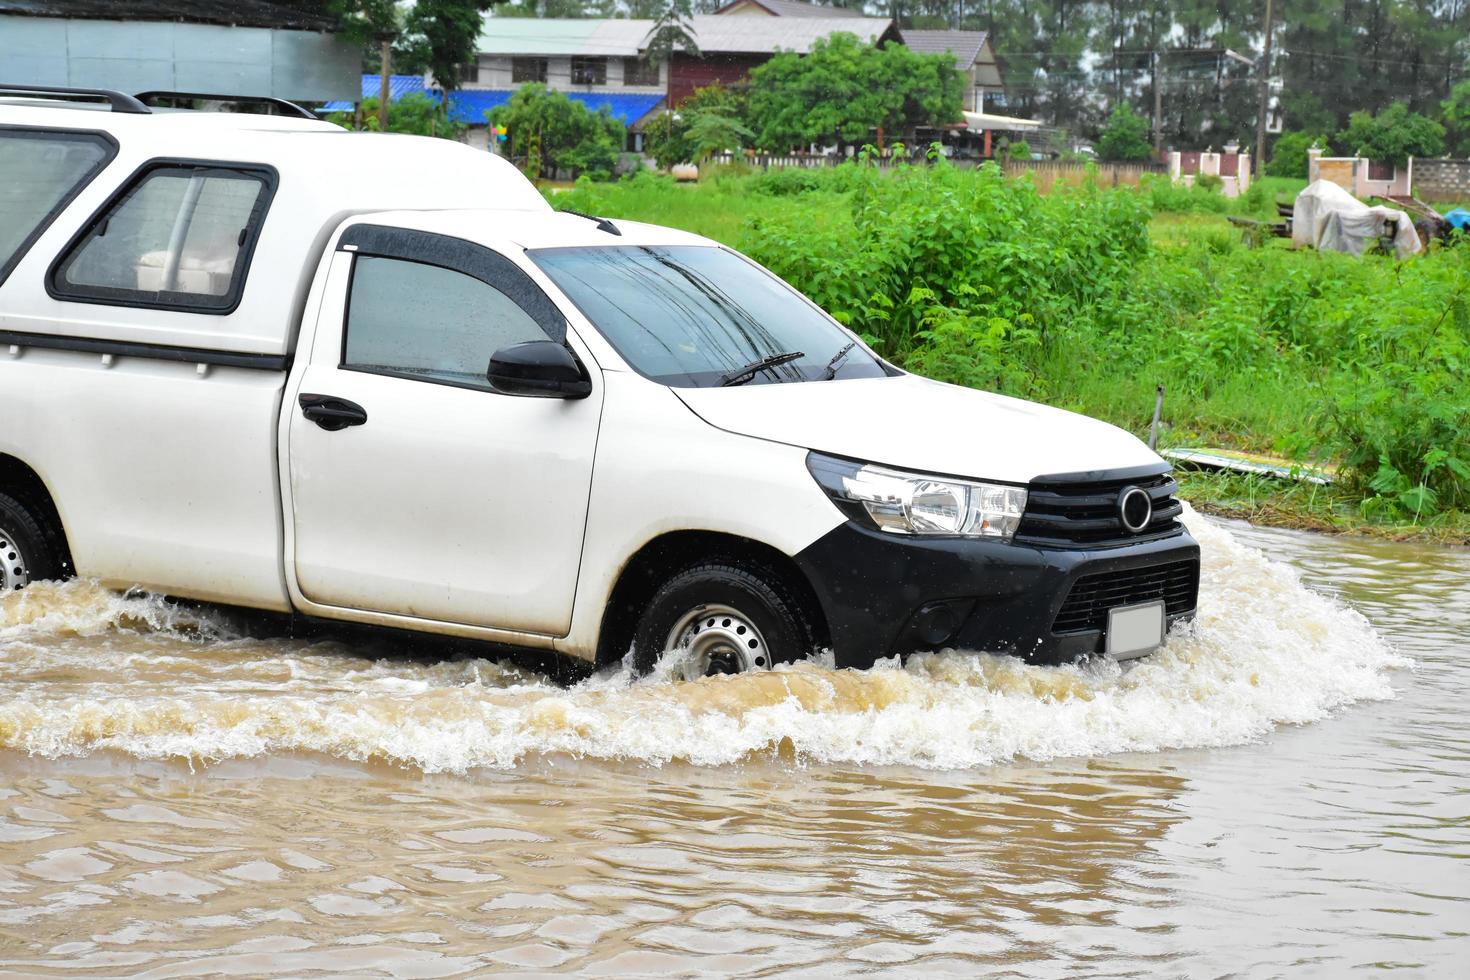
<point>1049,173</point>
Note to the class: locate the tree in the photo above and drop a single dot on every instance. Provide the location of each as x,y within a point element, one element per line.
<point>846,89</point>
<point>548,133</point>
<point>1395,134</point>
<point>1125,137</point>
<point>1456,110</point>
<point>1289,154</point>
<point>669,139</point>
<point>451,30</point>
<point>367,22</point>
<point>710,133</point>
<point>672,31</point>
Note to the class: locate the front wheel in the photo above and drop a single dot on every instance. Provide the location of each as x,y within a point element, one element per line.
<point>721,618</point>
<point>26,551</point>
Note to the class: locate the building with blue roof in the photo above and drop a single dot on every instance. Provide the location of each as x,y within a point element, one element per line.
<point>470,105</point>
<point>603,63</point>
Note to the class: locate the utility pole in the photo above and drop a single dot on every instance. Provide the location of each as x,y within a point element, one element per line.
<point>1260,153</point>
<point>385,69</point>
<point>1159,111</point>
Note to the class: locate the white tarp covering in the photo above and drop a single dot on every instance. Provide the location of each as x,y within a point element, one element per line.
<point>984,120</point>
<point>1328,217</point>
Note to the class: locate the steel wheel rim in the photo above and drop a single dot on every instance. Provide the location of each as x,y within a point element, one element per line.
<point>717,639</point>
<point>13,572</point>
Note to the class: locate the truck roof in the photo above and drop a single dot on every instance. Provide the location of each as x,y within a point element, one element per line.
<point>531,230</point>
<point>324,174</point>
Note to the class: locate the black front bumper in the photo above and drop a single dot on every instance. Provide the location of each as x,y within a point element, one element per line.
<point>885,594</point>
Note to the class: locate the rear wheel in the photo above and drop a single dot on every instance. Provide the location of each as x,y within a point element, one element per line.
<point>26,552</point>
<point>721,618</point>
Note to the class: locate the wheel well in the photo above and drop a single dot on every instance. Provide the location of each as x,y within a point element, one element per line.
<point>18,480</point>
<point>671,553</point>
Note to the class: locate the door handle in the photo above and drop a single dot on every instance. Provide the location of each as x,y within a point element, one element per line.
<point>332,413</point>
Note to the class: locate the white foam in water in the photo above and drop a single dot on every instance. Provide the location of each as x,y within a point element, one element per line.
<point>83,669</point>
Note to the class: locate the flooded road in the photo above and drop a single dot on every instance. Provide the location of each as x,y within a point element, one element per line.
<point>1283,790</point>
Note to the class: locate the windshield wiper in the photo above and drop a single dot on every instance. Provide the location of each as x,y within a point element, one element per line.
<point>830,371</point>
<point>741,375</point>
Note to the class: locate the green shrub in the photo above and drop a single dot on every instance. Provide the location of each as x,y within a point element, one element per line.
<point>416,113</point>
<point>549,133</point>
<point>1125,137</point>
<point>932,237</point>
<point>1395,134</point>
<point>1289,154</point>
<point>1018,150</point>
<point>1164,195</point>
<point>787,181</point>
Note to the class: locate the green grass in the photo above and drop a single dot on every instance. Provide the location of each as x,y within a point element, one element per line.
<point>1309,507</point>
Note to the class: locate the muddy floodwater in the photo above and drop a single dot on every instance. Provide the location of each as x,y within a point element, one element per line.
<point>1283,790</point>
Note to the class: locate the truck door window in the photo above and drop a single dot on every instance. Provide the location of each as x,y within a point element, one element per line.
<point>179,237</point>
<point>428,323</point>
<point>44,170</point>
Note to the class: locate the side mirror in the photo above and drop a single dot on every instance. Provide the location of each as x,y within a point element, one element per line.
<point>539,368</point>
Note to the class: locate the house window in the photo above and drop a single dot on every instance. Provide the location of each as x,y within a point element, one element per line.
<point>589,71</point>
<point>180,237</point>
<point>637,71</point>
<point>470,73</point>
<point>526,70</point>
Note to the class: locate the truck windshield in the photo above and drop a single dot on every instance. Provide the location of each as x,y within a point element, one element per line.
<point>697,316</point>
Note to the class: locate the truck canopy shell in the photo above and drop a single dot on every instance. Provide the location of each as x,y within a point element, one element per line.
<point>323,174</point>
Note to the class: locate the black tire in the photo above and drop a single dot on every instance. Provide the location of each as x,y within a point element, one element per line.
<point>28,545</point>
<point>757,593</point>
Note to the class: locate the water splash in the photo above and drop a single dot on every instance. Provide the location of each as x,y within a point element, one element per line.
<point>86,669</point>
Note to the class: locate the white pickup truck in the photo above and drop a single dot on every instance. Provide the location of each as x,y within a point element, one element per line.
<point>257,360</point>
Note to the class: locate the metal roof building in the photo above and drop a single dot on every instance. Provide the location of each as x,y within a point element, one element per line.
<point>714,33</point>
<point>470,105</point>
<point>235,47</point>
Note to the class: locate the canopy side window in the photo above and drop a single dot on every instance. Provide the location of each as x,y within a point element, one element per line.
<point>178,236</point>
<point>45,169</point>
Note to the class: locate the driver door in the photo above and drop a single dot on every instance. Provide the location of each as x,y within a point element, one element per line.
<point>418,491</point>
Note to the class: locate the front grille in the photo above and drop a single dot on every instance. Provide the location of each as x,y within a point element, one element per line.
<point>1085,515</point>
<point>1087,605</point>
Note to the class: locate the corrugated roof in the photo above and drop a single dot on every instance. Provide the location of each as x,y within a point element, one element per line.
<point>713,33</point>
<point>964,45</point>
<point>303,16</point>
<point>717,34</point>
<point>398,87</point>
<point>792,8</point>
<point>470,105</point>
<point>627,108</point>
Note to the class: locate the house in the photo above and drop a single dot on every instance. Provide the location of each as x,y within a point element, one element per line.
<point>244,47</point>
<point>1361,177</point>
<point>607,55</point>
<point>603,62</point>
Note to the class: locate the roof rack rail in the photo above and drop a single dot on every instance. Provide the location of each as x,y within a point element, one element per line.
<point>118,101</point>
<point>286,108</point>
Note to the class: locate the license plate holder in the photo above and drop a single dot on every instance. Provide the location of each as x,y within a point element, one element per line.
<point>1135,630</point>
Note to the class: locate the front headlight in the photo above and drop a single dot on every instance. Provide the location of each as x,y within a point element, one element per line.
<point>915,503</point>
